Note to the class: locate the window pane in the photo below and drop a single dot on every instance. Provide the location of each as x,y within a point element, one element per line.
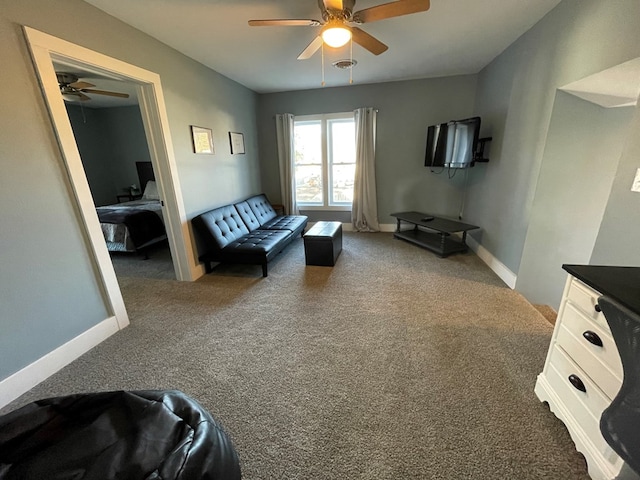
<point>307,143</point>
<point>343,176</point>
<point>343,156</point>
<point>343,141</point>
<point>309,184</point>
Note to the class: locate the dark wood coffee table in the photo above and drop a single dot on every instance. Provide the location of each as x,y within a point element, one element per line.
<point>433,234</point>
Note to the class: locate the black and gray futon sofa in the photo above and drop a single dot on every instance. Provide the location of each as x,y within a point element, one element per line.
<point>247,232</point>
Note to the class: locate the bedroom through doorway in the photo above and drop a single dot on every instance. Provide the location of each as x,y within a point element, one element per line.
<point>110,137</point>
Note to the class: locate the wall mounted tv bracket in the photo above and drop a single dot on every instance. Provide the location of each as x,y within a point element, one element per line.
<point>478,155</point>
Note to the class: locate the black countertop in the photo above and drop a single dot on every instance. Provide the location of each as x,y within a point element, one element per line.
<point>619,283</point>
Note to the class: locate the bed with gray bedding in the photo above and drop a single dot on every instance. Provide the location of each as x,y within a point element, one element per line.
<point>132,226</point>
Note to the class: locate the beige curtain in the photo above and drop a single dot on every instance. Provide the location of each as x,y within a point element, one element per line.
<point>364,211</point>
<point>284,138</point>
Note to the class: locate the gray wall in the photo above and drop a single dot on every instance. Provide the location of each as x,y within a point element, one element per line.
<point>579,165</point>
<point>89,131</point>
<point>405,109</point>
<point>618,241</point>
<point>110,141</point>
<point>50,291</point>
<point>127,145</point>
<point>515,98</point>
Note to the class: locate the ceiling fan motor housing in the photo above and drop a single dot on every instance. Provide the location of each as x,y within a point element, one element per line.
<point>344,14</point>
<point>65,78</point>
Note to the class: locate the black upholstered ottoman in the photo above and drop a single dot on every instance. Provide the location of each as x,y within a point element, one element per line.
<point>323,244</point>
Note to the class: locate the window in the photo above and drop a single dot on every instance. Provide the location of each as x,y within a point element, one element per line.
<point>325,160</point>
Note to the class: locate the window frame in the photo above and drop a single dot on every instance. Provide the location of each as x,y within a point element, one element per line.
<point>327,162</point>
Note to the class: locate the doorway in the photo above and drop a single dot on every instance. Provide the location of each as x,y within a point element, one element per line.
<point>45,50</point>
<point>107,125</point>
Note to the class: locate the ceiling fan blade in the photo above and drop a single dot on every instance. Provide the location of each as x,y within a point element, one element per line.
<point>104,92</point>
<point>81,85</point>
<point>365,40</point>
<point>389,10</point>
<point>83,97</point>
<point>284,23</point>
<point>312,48</point>
<point>333,4</point>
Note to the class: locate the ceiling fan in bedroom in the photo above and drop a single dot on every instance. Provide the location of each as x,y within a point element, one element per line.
<point>339,23</point>
<point>71,86</point>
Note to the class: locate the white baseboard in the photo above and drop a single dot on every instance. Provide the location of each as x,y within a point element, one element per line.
<point>499,268</point>
<point>347,227</point>
<point>31,375</point>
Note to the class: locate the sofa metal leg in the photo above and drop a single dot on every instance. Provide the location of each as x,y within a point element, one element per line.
<point>264,269</point>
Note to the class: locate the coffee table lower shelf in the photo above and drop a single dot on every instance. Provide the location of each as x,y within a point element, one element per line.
<point>441,243</point>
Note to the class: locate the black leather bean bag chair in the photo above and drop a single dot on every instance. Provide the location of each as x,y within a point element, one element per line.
<point>123,435</point>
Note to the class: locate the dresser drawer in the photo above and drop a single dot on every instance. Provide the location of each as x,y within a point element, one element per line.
<point>585,416</point>
<point>601,364</point>
<point>592,401</point>
<point>585,409</point>
<point>585,299</point>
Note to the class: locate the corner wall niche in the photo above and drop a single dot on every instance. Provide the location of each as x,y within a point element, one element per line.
<point>617,86</point>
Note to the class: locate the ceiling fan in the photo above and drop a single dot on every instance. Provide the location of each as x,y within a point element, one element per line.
<point>338,15</point>
<point>69,85</point>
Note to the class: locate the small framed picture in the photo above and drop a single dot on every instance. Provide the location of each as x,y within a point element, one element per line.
<point>202,140</point>
<point>237,142</point>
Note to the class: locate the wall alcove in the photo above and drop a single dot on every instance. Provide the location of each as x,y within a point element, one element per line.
<point>588,157</point>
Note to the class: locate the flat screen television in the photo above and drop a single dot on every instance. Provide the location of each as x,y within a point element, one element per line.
<point>452,144</point>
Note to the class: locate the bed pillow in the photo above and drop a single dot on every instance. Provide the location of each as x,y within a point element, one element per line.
<point>151,191</point>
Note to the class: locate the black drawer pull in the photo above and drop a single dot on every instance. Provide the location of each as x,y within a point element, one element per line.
<point>597,308</point>
<point>592,337</point>
<point>577,383</point>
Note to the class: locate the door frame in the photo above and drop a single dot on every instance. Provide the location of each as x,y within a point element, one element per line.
<point>45,49</point>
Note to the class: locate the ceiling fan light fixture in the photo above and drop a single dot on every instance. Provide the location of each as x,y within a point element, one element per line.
<point>336,35</point>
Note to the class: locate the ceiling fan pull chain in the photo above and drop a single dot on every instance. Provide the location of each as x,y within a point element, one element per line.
<point>351,59</point>
<point>322,64</point>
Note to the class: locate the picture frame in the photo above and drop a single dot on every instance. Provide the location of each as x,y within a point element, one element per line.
<point>202,140</point>
<point>236,140</point>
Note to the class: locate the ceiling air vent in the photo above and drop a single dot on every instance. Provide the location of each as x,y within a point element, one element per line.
<point>345,64</point>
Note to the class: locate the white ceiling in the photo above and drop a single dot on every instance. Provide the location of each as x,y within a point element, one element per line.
<point>453,37</point>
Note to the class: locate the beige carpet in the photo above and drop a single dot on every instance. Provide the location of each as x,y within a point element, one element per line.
<point>395,364</point>
<point>547,312</point>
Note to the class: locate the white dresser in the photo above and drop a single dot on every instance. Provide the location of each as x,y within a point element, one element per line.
<point>582,374</point>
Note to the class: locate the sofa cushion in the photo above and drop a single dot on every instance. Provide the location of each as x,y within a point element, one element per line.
<point>257,245</point>
<point>247,215</point>
<point>261,208</point>
<point>294,223</point>
<point>220,226</point>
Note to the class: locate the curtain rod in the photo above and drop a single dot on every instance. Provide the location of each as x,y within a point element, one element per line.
<point>274,116</point>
